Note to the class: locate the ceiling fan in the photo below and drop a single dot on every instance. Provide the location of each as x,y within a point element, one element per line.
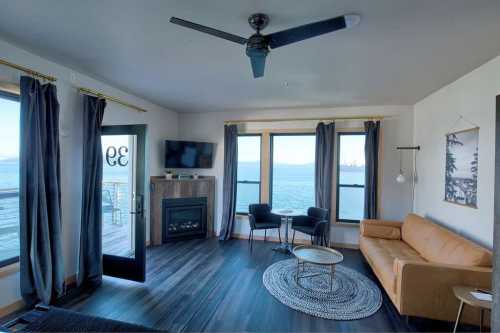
<point>258,45</point>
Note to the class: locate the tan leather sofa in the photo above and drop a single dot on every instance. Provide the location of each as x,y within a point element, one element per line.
<point>418,263</point>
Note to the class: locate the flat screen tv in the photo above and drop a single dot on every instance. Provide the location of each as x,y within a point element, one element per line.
<point>188,154</point>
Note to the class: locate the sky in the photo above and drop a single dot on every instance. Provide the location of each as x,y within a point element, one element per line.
<point>114,140</point>
<point>352,150</point>
<point>9,129</point>
<point>288,149</point>
<point>300,149</point>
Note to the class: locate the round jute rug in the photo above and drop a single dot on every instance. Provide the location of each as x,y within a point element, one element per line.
<point>353,296</point>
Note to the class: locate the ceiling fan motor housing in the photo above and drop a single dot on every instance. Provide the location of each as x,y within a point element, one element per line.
<point>258,21</point>
<point>258,43</point>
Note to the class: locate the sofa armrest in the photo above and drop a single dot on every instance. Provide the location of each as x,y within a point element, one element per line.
<point>381,229</point>
<point>426,289</point>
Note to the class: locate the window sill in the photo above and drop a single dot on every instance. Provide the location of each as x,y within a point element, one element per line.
<point>347,224</point>
<point>9,269</point>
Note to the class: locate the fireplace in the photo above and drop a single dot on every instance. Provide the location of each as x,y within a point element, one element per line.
<point>184,218</point>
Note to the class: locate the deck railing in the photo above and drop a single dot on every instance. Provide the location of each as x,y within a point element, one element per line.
<point>116,227</point>
<point>9,223</point>
<point>117,198</point>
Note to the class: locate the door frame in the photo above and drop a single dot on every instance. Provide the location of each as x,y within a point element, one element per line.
<point>123,267</point>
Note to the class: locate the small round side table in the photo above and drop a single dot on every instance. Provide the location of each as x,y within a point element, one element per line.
<point>286,216</point>
<point>465,297</point>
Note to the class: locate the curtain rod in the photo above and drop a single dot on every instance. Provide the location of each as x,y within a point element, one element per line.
<point>96,93</point>
<point>272,120</point>
<point>27,70</point>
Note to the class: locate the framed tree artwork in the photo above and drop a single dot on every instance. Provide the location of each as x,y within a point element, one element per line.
<point>462,167</point>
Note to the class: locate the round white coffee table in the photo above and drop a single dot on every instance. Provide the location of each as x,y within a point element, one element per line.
<point>317,255</point>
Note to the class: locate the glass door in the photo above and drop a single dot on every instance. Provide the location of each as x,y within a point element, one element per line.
<point>123,184</point>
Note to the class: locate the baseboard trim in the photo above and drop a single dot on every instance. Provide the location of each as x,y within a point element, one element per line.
<point>70,283</point>
<point>298,241</point>
<point>270,239</point>
<point>346,246</point>
<point>11,308</point>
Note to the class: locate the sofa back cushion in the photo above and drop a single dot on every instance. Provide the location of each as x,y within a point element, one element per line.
<point>437,244</point>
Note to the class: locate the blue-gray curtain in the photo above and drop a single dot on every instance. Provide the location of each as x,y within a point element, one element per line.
<point>495,314</point>
<point>372,130</point>
<point>230,181</point>
<point>325,141</point>
<point>90,258</point>
<point>41,260</point>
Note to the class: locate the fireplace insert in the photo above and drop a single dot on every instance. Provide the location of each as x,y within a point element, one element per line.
<point>184,218</point>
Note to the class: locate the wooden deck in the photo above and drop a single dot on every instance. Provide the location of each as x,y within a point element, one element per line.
<point>116,238</point>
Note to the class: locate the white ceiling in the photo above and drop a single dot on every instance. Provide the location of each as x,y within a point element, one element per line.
<point>402,51</point>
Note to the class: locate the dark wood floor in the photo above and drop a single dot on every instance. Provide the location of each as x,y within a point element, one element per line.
<point>206,285</point>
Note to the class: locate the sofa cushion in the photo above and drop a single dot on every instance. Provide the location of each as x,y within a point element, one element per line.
<point>381,229</point>
<point>381,254</point>
<point>439,245</point>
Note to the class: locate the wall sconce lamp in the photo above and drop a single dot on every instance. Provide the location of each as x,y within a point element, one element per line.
<point>401,178</point>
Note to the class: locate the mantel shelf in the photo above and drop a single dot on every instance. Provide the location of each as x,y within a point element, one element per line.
<point>159,179</point>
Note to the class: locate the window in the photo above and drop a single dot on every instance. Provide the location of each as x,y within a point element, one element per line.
<point>292,171</point>
<point>350,177</point>
<point>9,178</point>
<point>248,185</point>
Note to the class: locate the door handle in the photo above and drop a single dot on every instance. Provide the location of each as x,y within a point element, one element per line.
<point>139,205</point>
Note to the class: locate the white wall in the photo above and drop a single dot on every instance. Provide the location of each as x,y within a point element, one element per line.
<point>161,123</point>
<point>472,96</point>
<point>396,199</point>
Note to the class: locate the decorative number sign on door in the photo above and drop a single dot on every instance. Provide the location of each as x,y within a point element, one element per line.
<point>116,156</point>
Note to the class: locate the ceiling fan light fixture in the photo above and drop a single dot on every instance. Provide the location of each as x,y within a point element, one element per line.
<point>258,61</point>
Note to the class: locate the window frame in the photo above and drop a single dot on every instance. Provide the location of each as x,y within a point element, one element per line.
<point>16,98</point>
<point>260,172</point>
<point>337,183</point>
<point>271,156</point>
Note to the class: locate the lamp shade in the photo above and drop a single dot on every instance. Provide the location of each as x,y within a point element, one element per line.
<point>401,178</point>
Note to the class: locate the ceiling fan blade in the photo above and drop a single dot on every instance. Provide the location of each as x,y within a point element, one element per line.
<point>258,62</point>
<point>208,30</point>
<point>293,35</point>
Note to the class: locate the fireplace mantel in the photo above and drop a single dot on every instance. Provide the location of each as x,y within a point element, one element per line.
<point>162,188</point>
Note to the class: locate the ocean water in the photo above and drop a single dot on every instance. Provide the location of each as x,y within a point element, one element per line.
<point>293,187</point>
<point>9,174</point>
<point>9,209</point>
